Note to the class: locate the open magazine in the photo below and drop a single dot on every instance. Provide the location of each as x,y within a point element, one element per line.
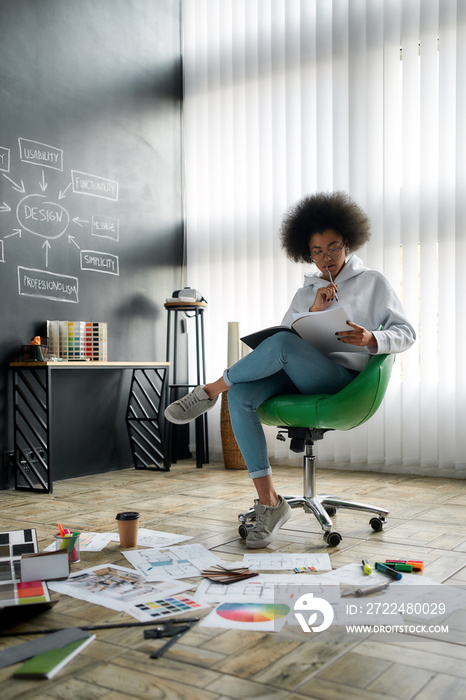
<point>318,328</point>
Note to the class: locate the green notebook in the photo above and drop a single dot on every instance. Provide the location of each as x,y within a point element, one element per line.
<point>47,664</point>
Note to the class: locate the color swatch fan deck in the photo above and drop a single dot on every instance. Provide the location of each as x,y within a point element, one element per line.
<point>12,592</point>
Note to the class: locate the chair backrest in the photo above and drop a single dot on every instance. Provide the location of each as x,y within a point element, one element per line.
<point>346,409</point>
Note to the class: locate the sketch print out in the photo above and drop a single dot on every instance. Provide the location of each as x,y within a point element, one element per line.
<point>172,562</point>
<point>42,215</point>
<point>115,587</point>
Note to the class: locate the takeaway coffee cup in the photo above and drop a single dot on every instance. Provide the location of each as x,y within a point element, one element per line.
<point>128,524</point>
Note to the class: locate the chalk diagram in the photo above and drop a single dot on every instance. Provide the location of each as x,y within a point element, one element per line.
<point>45,215</point>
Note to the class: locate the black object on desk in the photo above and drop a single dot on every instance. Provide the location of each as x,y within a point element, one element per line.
<point>195,310</point>
<point>33,429</point>
<point>171,629</point>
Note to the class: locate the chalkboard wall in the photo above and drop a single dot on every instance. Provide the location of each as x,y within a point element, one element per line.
<point>90,195</point>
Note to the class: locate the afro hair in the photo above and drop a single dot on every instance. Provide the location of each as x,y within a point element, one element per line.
<point>317,213</point>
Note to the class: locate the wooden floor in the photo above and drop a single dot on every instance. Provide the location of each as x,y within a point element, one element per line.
<point>427,521</point>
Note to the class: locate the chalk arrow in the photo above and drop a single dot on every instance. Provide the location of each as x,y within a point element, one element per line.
<point>71,240</point>
<point>18,188</point>
<point>79,221</point>
<point>62,193</point>
<point>46,246</point>
<point>43,185</point>
<point>16,232</point>
<point>4,207</point>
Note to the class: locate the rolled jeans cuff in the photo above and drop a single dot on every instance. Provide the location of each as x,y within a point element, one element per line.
<point>260,472</point>
<point>227,381</point>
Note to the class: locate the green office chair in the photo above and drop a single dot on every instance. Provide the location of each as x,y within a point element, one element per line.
<point>306,419</point>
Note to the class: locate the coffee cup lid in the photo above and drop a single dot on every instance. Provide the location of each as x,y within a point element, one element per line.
<point>127,516</point>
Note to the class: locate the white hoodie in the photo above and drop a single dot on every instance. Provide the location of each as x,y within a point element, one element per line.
<point>374,305</point>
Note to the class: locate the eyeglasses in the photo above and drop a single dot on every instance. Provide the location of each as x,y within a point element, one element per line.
<point>332,253</point>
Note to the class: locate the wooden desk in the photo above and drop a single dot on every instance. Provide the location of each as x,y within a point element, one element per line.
<point>33,429</point>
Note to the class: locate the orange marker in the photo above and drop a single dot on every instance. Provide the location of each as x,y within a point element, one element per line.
<point>61,530</point>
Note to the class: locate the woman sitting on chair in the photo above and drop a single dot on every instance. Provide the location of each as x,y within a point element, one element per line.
<point>325,229</point>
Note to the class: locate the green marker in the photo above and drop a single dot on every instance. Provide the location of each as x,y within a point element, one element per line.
<point>401,567</point>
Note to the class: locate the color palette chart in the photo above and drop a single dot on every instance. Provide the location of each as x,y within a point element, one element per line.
<point>171,605</point>
<point>12,592</point>
<point>262,617</point>
<point>252,612</point>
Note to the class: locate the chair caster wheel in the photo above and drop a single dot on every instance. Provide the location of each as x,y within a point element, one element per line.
<point>376,524</point>
<point>331,510</point>
<point>243,530</point>
<point>333,539</point>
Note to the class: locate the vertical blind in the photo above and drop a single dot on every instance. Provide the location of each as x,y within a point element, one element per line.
<point>289,97</point>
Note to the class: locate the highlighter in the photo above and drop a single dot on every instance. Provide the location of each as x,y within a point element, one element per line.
<point>398,566</point>
<point>417,564</point>
<point>366,568</point>
<point>387,570</point>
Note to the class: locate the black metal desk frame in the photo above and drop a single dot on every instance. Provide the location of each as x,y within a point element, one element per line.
<point>33,426</point>
<point>196,310</point>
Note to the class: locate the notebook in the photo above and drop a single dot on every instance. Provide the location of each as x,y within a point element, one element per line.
<point>47,664</point>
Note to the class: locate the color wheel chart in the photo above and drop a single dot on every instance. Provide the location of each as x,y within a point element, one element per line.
<point>251,616</point>
<point>12,592</point>
<point>252,612</point>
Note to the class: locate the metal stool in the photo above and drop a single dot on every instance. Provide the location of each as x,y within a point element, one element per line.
<point>189,309</point>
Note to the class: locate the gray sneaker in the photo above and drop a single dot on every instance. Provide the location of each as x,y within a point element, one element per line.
<point>189,407</point>
<point>268,522</point>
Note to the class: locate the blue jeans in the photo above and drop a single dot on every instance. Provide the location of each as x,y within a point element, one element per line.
<point>281,364</point>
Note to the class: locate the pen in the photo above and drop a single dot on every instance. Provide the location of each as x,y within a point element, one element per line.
<point>387,570</point>
<point>331,280</point>
<point>366,568</point>
<point>367,590</point>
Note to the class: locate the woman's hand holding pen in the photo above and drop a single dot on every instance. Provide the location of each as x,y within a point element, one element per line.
<point>324,296</point>
<point>358,336</point>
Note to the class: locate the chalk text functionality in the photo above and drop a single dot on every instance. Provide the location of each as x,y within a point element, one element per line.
<point>94,185</point>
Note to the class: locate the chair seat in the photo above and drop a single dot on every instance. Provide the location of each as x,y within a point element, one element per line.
<point>345,410</point>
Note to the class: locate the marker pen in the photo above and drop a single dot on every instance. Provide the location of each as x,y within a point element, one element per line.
<point>417,564</point>
<point>365,567</point>
<point>399,567</point>
<point>387,570</point>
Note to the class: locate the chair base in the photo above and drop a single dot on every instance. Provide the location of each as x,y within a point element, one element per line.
<point>322,506</point>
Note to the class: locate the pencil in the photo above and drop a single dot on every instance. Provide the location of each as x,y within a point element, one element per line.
<point>331,280</point>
